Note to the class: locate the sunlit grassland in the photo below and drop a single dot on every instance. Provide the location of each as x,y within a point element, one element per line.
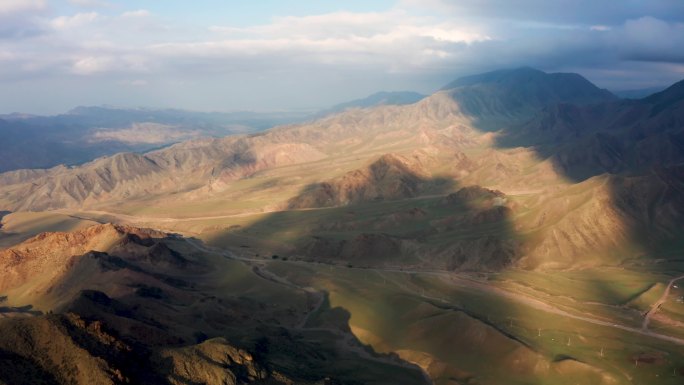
<point>606,285</point>
<point>255,193</point>
<point>20,226</point>
<point>457,325</point>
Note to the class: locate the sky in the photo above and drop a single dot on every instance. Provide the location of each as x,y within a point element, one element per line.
<point>268,55</point>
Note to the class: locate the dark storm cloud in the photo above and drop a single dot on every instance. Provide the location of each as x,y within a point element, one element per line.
<point>561,11</point>
<point>119,55</point>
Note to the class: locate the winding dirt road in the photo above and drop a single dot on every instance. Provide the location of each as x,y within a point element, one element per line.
<point>654,308</point>
<point>350,341</point>
<point>493,290</point>
<point>453,278</point>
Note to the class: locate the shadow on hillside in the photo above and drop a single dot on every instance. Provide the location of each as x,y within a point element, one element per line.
<point>433,223</point>
<point>639,152</point>
<point>306,354</point>
<point>326,347</point>
<point>147,297</point>
<point>13,310</point>
<point>405,220</point>
<point>15,369</point>
<point>25,310</point>
<point>636,146</point>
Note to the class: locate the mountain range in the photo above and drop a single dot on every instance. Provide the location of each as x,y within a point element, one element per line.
<point>559,127</point>
<point>533,218</point>
<point>86,133</point>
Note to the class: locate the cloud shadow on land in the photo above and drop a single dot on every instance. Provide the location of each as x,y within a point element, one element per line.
<point>395,219</point>
<point>628,154</point>
<point>324,346</point>
<point>387,215</point>
<point>156,306</point>
<point>15,369</point>
<point>632,151</point>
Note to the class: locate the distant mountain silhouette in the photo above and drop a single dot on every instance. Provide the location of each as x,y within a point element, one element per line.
<point>85,133</point>
<point>614,137</point>
<point>396,98</point>
<point>515,93</point>
<point>638,93</point>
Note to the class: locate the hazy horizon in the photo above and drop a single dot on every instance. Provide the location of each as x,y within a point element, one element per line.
<point>231,56</point>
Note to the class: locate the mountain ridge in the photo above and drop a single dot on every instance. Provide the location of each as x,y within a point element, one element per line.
<point>398,154</point>
<point>517,93</point>
<point>452,118</point>
<point>381,98</point>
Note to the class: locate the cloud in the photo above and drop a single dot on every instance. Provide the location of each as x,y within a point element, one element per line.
<point>554,12</point>
<point>651,39</point>
<point>20,18</point>
<point>395,41</point>
<point>8,7</point>
<point>111,62</point>
<point>135,83</point>
<point>415,45</point>
<point>91,3</point>
<point>420,44</point>
<point>348,25</point>
<point>136,14</point>
<point>7,56</point>
<point>74,21</point>
<point>92,65</point>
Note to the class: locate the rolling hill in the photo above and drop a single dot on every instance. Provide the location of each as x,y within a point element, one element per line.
<point>86,133</point>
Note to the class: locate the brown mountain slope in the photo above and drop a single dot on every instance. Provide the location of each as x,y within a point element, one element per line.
<point>67,349</point>
<point>213,163</point>
<point>512,95</point>
<point>389,177</point>
<point>184,167</point>
<point>39,266</point>
<point>444,120</point>
<point>616,137</point>
<point>139,306</point>
<point>465,230</point>
<point>343,160</point>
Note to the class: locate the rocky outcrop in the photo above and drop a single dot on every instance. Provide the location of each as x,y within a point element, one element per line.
<point>39,264</point>
<point>68,349</point>
<point>213,362</point>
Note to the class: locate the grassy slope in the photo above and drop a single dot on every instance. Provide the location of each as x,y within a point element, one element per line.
<point>456,328</point>
<point>388,311</point>
<point>17,227</point>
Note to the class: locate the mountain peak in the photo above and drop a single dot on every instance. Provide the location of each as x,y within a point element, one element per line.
<point>669,95</point>
<point>498,76</point>
<point>382,98</point>
<point>520,92</point>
